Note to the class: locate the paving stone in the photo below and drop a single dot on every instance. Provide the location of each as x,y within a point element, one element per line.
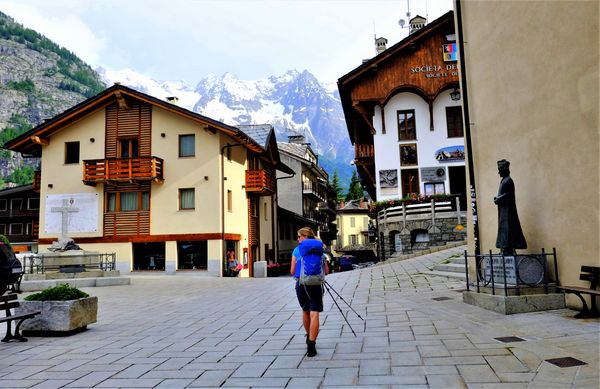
<point>341,376</point>
<point>477,373</point>
<point>175,383</point>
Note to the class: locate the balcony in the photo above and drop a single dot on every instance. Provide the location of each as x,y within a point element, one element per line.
<point>260,182</point>
<point>37,181</point>
<point>123,170</point>
<point>314,189</point>
<point>364,151</point>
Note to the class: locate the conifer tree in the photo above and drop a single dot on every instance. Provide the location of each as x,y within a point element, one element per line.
<point>335,184</point>
<point>355,191</point>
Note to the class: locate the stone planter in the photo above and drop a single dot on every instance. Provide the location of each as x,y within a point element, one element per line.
<point>58,318</point>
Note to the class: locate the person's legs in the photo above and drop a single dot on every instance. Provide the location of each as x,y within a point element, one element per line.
<point>313,321</point>
<point>306,320</point>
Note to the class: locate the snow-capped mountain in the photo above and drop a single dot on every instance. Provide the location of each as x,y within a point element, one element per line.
<point>294,103</point>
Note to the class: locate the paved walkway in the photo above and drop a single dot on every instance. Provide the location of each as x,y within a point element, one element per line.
<point>185,331</point>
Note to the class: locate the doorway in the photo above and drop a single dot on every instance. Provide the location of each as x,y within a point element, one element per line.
<point>149,256</point>
<point>458,184</point>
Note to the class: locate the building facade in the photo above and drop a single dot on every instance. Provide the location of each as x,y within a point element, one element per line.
<point>354,226</point>
<point>404,117</point>
<point>19,217</point>
<point>532,86</point>
<point>305,198</point>
<point>164,188</point>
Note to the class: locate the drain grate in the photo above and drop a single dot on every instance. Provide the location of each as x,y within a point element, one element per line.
<point>441,298</point>
<point>509,339</point>
<point>566,362</point>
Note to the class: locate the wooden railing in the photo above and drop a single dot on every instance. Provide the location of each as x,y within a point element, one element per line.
<point>133,223</point>
<point>260,182</point>
<point>123,169</point>
<point>364,150</point>
<point>37,181</point>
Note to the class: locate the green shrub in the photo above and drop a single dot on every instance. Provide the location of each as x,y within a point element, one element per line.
<point>5,240</point>
<point>61,292</point>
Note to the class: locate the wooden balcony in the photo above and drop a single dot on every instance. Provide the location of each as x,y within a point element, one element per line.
<point>260,182</point>
<point>37,181</point>
<point>364,151</point>
<point>123,170</point>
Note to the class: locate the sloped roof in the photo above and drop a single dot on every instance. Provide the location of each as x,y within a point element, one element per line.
<point>28,143</point>
<point>296,149</point>
<point>258,132</point>
<point>15,189</point>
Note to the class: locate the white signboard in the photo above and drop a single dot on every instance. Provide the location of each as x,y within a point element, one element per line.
<point>78,211</point>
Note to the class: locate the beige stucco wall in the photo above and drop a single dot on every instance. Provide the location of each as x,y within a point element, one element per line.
<point>345,229</point>
<point>66,178</point>
<point>532,79</point>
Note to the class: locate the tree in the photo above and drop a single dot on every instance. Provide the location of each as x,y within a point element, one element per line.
<point>335,184</point>
<point>355,191</point>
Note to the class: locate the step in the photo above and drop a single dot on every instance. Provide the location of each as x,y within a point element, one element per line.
<point>460,276</point>
<point>450,267</point>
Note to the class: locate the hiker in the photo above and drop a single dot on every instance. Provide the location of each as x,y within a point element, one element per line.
<point>309,268</point>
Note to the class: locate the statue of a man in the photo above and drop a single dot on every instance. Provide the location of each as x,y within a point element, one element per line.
<point>510,234</point>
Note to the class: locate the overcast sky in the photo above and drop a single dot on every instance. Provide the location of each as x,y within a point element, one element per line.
<point>172,40</point>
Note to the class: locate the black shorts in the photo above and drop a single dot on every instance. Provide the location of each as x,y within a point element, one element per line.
<point>310,297</point>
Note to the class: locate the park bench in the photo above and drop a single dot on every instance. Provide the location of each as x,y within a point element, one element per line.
<point>591,274</point>
<point>8,302</point>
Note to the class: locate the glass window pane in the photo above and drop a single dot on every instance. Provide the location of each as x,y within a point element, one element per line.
<point>129,201</point>
<point>145,201</point>
<point>111,205</point>
<point>186,198</point>
<point>186,145</point>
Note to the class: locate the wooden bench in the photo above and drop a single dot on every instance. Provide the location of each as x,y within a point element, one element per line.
<point>7,303</point>
<point>591,274</point>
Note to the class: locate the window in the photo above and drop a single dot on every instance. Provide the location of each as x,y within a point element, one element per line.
<point>186,198</point>
<point>229,201</point>
<point>71,152</point>
<point>16,229</point>
<point>265,211</point>
<point>128,148</point>
<point>352,222</point>
<point>352,239</point>
<point>434,188</point>
<point>3,229</point>
<point>15,204</point>
<point>406,125</point>
<point>187,145</point>
<point>3,205</point>
<point>28,230</point>
<point>127,201</point>
<point>454,122</point>
<point>408,155</point>
<point>33,203</point>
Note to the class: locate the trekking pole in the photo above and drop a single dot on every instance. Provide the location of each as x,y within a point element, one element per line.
<point>349,306</point>
<point>340,309</point>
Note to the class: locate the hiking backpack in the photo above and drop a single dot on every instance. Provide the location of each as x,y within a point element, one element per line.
<point>312,265</point>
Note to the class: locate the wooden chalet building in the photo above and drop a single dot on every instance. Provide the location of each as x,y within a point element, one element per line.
<point>404,118</point>
<point>19,216</point>
<point>164,188</point>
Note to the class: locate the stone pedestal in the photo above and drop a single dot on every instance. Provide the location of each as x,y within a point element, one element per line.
<point>260,269</point>
<point>508,305</point>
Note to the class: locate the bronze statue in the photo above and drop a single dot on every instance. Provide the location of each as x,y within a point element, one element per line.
<point>510,234</point>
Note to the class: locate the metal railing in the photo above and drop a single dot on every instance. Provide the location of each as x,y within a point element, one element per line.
<point>40,264</point>
<point>514,272</point>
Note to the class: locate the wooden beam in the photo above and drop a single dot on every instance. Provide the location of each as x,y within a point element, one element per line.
<point>363,113</point>
<point>121,100</point>
<point>39,141</point>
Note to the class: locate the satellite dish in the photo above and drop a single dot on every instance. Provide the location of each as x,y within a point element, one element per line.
<point>401,23</point>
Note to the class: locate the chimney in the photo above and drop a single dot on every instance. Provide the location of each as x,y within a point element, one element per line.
<point>296,139</point>
<point>361,204</point>
<point>417,23</point>
<point>173,100</point>
<point>380,45</point>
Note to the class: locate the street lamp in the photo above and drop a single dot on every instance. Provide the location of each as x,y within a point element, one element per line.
<point>455,94</point>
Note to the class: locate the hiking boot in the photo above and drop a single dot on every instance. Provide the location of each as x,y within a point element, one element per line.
<point>311,348</point>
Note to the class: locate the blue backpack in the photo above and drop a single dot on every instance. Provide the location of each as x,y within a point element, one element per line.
<point>312,265</point>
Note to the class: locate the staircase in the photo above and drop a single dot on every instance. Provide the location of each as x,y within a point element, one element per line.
<point>453,267</point>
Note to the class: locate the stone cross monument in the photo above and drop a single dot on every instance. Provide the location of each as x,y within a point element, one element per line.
<point>65,210</point>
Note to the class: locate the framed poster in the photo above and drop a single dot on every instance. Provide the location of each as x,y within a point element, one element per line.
<point>388,181</point>
<point>408,155</point>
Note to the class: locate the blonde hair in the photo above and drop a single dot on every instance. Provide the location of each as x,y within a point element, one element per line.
<point>306,232</point>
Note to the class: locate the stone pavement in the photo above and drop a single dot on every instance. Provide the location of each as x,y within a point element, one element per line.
<point>192,332</point>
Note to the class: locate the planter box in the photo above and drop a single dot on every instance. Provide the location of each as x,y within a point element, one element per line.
<point>58,318</point>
